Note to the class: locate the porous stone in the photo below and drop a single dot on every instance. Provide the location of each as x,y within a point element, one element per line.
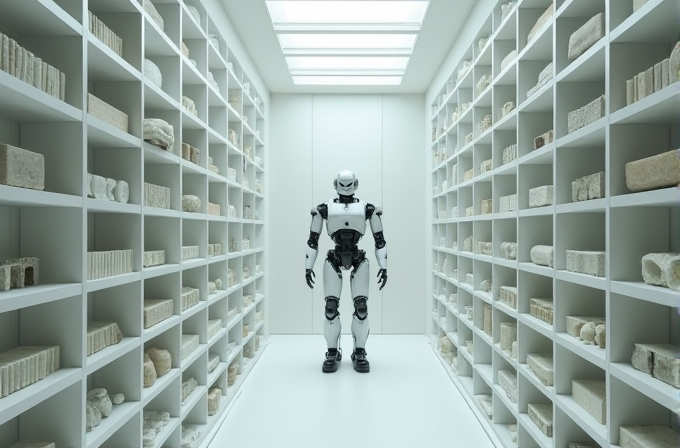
<point>484,248</point>
<point>24,365</point>
<point>544,139</point>
<point>542,365</point>
<point>117,399</point>
<point>541,196</point>
<point>545,18</point>
<point>149,371</point>
<point>100,398</point>
<point>507,379</point>
<point>542,255</point>
<point>575,323</point>
<point>586,262</point>
<point>586,36</point>
<point>654,172</point>
<point>542,309</point>
<point>162,360</point>
<point>157,310</point>
<point>542,416</point>
<point>110,185</point>
<point>195,155</point>
<point>101,335</point>
<point>507,108</point>
<point>508,250</point>
<point>508,296</point>
<point>587,333</point>
<point>153,73</point>
<point>659,360</point>
<point>22,272</point>
<point>648,437</point>
<point>508,59</point>
<point>485,403</point>
<point>587,114</point>
<point>214,396</point>
<point>98,186</point>
<point>486,206</point>
<point>189,105</point>
<point>588,187</point>
<point>154,258</point>
<point>191,203</point>
<point>188,387</point>
<point>665,73</point>
<point>467,244</point>
<point>190,343</point>
<point>21,168</point>
<point>591,395</point>
<point>601,335</point>
<point>121,192</point>
<point>508,203</point>
<point>5,278</point>
<point>662,270</point>
<point>159,133</point>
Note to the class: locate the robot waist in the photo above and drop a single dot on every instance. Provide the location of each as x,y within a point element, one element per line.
<point>346,257</point>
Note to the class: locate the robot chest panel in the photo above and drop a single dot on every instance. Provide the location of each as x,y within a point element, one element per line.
<point>351,217</point>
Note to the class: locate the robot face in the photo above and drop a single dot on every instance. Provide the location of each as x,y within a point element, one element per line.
<point>346,183</point>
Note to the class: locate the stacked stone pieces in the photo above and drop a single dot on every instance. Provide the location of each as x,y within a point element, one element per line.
<point>507,379</point>
<point>153,73</point>
<point>542,366</point>
<point>25,365</point>
<point>575,323</point>
<point>588,187</point>
<point>188,387</point>
<point>101,335</point>
<point>542,309</point>
<point>662,361</point>
<point>214,396</point>
<point>487,327</point>
<point>484,248</point>
<point>591,395</point>
<point>586,36</point>
<point>648,437</point>
<point>586,262</point>
<point>508,296</point>
<point>159,133</point>
<point>154,258</point>
<point>156,196</point>
<point>467,244</point>
<point>508,203</point>
<point>190,298</point>
<point>585,115</point>
<point>543,77</point>
<point>17,61</point>
<point>655,78</point>
<point>509,250</point>
<point>486,207</point>
<point>542,416</point>
<point>157,310</point>
<point>485,403</point>
<point>189,344</point>
<point>545,17</point>
<point>153,424</point>
<point>541,196</point>
<point>105,35</point>
<point>107,113</point>
<point>544,139</point>
<point>189,252</point>
<point>508,335</point>
<point>660,171</point>
<point>110,263</point>
<point>21,168</point>
<point>213,209</point>
<point>542,255</point>
<point>214,327</point>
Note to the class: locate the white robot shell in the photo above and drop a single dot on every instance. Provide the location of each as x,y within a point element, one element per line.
<point>346,183</point>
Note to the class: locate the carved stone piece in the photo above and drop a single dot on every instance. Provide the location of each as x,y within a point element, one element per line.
<point>190,252</point>
<point>587,114</point>
<point>162,360</point>
<point>153,73</point>
<point>214,396</point>
<point>601,335</point>
<point>508,335</point>
<point>575,323</point>
<point>586,36</point>
<point>189,105</point>
<point>591,395</point>
<point>660,360</point>
<point>191,203</point>
<point>542,255</point>
<point>509,250</point>
<point>101,335</point>
<point>190,435</point>
<point>541,196</point>
<point>662,270</point>
<point>21,168</point>
<point>648,437</point>
<point>508,296</point>
<point>586,262</point>
<point>508,203</point>
<point>486,166</point>
<point>149,371</point>
<point>542,416</point>
<point>542,365</point>
<point>100,398</point>
<point>544,139</point>
<point>110,185</point>
<point>156,196</point>
<point>22,272</point>
<point>98,186</point>
<point>507,379</point>
<point>488,319</point>
<point>507,108</point>
<point>486,206</point>
<point>674,64</point>
<point>107,113</point>
<point>190,343</point>
<point>5,278</point>
<point>157,310</point>
<point>190,297</point>
<point>542,309</point>
<point>195,155</point>
<point>154,258</point>
<point>159,132</point>
<point>543,77</point>
<point>214,209</point>
<point>588,187</point>
<point>545,17</point>
<point>470,211</point>
<point>153,12</point>
<point>513,432</point>
<point>24,365</point>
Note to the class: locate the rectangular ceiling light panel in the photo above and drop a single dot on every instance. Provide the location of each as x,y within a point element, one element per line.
<point>346,63</point>
<point>309,12</point>
<point>347,41</point>
<point>348,80</point>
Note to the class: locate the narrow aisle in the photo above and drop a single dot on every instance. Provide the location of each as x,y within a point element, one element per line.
<point>406,401</point>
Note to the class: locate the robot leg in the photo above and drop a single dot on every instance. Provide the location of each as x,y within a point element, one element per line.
<point>332,287</point>
<point>360,326</point>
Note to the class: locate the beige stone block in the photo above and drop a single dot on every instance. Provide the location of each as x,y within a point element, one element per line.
<point>542,309</point>
<point>162,360</point>
<point>507,379</point>
<point>542,365</point>
<point>189,252</point>
<point>507,60</point>
<point>665,73</point>
<point>575,323</point>
<point>541,196</point>
<point>21,168</point>
<point>587,114</point>
<point>5,278</point>
<point>213,209</point>
<point>154,258</point>
<point>107,113</point>
<point>630,91</point>
<point>186,151</point>
<point>648,437</point>
<point>662,359</point>
<point>101,335</point>
<point>190,343</point>
<point>214,396</point>
<point>508,296</point>
<point>545,18</point>
<point>468,175</point>
<point>157,310</point>
<point>586,36</point>
<point>657,77</point>
<point>544,139</point>
<point>508,335</point>
<point>591,395</point>
<point>188,387</point>
<point>586,262</point>
<point>660,171</point>
<point>486,206</point>
<point>509,154</point>
<point>508,203</point>
<point>542,416</point>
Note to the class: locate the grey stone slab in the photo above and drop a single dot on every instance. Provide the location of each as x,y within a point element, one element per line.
<point>660,360</point>
<point>542,416</point>
<point>648,437</point>
<point>508,203</point>
<point>508,335</point>
<point>541,309</point>
<point>21,168</point>
<point>588,187</point>
<point>586,262</point>
<point>157,310</point>
<point>587,114</point>
<point>542,20</point>
<point>591,395</point>
<point>507,379</point>
<point>586,36</point>
<point>190,343</point>
<point>541,196</point>
<point>542,365</point>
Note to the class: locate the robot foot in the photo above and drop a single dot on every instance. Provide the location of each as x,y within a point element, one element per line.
<point>359,360</point>
<point>332,362</point>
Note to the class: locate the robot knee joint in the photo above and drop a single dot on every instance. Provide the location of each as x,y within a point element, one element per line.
<point>332,307</point>
<point>361,307</point>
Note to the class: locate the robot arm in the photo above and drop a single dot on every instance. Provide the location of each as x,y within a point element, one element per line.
<point>373,214</point>
<point>312,249</point>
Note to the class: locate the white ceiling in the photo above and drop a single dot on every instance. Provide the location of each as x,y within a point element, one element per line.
<point>440,28</point>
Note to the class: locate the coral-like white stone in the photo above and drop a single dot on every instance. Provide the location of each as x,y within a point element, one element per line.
<point>191,203</point>
<point>509,250</point>
<point>587,114</point>
<point>662,270</point>
<point>159,132</point>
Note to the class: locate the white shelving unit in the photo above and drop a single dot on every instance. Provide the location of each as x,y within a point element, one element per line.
<point>623,224</point>
<point>60,224</point>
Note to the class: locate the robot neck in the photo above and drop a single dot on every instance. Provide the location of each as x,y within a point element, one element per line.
<point>346,199</point>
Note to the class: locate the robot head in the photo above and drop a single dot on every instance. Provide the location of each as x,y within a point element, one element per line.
<point>346,183</point>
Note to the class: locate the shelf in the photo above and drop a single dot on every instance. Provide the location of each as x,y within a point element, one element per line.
<point>592,135</point>
<point>106,206</point>
<point>524,369</point>
<point>537,324</point>
<point>42,17</point>
<point>660,107</point>
<point>537,269</point>
<point>485,371</point>
<point>668,197</point>
<point>656,21</point>
<point>24,197</point>
<point>591,353</point>
<point>503,396</point>
<point>149,393</point>
<point>192,400</point>
<point>120,414</point>
<point>587,422</point>
<point>105,65</point>
<point>582,279</point>
<point>37,295</point>
<point>588,67</point>
<point>664,394</point>
<point>649,293</point>
<point>103,357</point>
<point>166,432</point>
<point>540,438</point>
<point>110,282</point>
<point>159,328</point>
<point>102,135</point>
<point>593,205</point>
<point>157,271</point>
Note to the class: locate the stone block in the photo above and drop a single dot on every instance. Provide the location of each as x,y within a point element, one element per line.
<point>191,203</point>
<point>509,154</point>
<point>148,371</point>
<point>188,387</point>
<point>543,78</point>
<point>110,185</point>
<point>508,250</point>
<point>157,310</point>
<point>153,73</point>
<point>665,73</point>
<point>587,114</point>
<point>513,352</point>
<point>591,395</point>
<point>469,278</point>
<point>214,396</point>
<point>508,203</point>
<point>488,319</point>
<point>588,333</point>
<point>107,113</point>
<point>542,255</point>
<point>586,262</point>
<point>542,416</point>
<point>22,272</point>
<point>5,278</point>
<point>541,196</point>
<point>654,172</point>
<point>484,248</point>
<point>542,309</point>
<point>507,108</point>
<point>588,187</point>
<point>545,18</point>
<point>110,263</point>
<point>121,192</point>
<point>544,139</point>
<point>507,379</point>
<point>98,186</point>
<point>468,175</point>
<point>21,168</point>
<point>189,344</point>
<point>156,196</point>
<point>657,77</point>
<point>508,335</point>
<point>648,437</point>
<point>486,166</point>
<point>154,258</point>
<point>153,13</point>
<point>485,403</point>
<point>586,36</point>
<point>467,244</point>
<point>101,335</point>
<point>213,209</point>
<point>660,360</point>
<point>470,211</point>
<point>637,4</point>
<point>486,206</point>
<point>159,133</point>
<point>22,366</point>
<point>662,270</point>
<point>542,365</point>
<point>508,296</point>
<point>575,323</point>
<point>508,59</point>
<point>33,445</point>
<point>213,362</point>
<point>630,91</point>
<point>190,297</point>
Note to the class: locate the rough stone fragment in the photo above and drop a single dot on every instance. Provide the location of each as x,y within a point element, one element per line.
<point>467,244</point>
<point>591,395</point>
<point>22,272</point>
<point>586,262</point>
<point>485,403</point>
<point>214,396</point>
<point>469,278</point>
<point>508,203</point>
<point>660,360</point>
<point>153,13</point>
<point>508,296</point>
<point>189,252</point>
<point>486,166</point>
<point>188,387</point>
<point>542,416</point>
<point>648,437</point>
<point>157,310</point>
<point>541,196</point>
<point>542,365</point>
<point>641,86</point>
<point>93,416</point>
<point>153,73</point>
<point>542,309</point>
<point>508,59</point>
<point>486,206</point>
<point>121,192</point>
<point>5,278</point>
<point>513,352</point>
<point>190,297</point>
<point>154,258</point>
<point>630,91</point>
<point>468,175</point>
<point>543,77</point>
<point>159,133</point>
<point>156,196</point>
<point>484,248</point>
<point>190,435</point>
<point>162,360</point>
<point>586,36</point>
<point>110,185</point>
<point>213,361</point>
<point>575,323</point>
<point>544,139</point>
<point>657,77</point>
<point>149,372</point>
<point>637,4</point>
<point>101,335</point>
<point>587,333</point>
<point>588,187</point>
<point>542,255</point>
<point>191,203</point>
<point>509,250</point>
<point>587,114</point>
<point>545,17</point>
<point>665,73</point>
<point>100,398</point>
<point>107,113</point>
<point>189,105</point>
<point>470,211</point>
<point>98,187</point>
<point>118,399</point>
<point>654,172</point>
<point>195,155</point>
<point>601,335</point>
<point>21,168</point>
<point>507,379</point>
<point>662,270</point>
<point>508,335</point>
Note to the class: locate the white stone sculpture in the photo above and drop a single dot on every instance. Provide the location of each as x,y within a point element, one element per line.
<point>662,269</point>
<point>153,13</point>
<point>591,395</point>
<point>159,133</point>
<point>586,262</point>
<point>508,250</point>
<point>586,36</point>
<point>149,371</point>
<point>153,73</point>
<point>545,18</point>
<point>101,335</point>
<point>659,360</point>
<point>542,255</point>
<point>542,416</point>
<point>541,196</point>
<point>157,310</point>
<point>191,204</point>
<point>21,168</point>
<point>588,187</point>
<point>162,360</point>
<point>654,172</point>
<point>541,364</point>
<point>648,437</point>
<point>585,115</point>
<point>103,264</point>
<point>467,244</point>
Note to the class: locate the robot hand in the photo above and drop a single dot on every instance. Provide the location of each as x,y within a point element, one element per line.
<point>309,274</point>
<point>382,281</point>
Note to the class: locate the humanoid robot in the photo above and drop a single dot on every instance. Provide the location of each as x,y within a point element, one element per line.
<point>346,218</point>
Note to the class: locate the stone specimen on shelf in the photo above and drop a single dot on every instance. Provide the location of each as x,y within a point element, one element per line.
<point>156,196</point>
<point>660,171</point>
<point>189,252</point>
<point>545,18</point>
<point>121,192</point>
<point>101,335</point>
<point>481,43</point>
<point>153,13</point>
<point>22,366</point>
<point>233,137</point>
<point>190,435</point>
<point>98,186</point>
<point>214,327</point>
<point>464,69</point>
<point>93,416</point>
<point>21,168</point>
<point>586,36</point>
<point>541,364</point>
<point>637,4</point>
<point>212,288</point>
<point>107,113</point>
<point>108,189</point>
<point>33,445</point>
<point>484,82</point>
<point>469,278</point>
<point>513,352</point>
<point>100,398</point>
<point>674,64</point>
<point>583,445</point>
<point>648,437</point>
<point>211,78</point>
<point>110,185</point>
<point>188,387</point>
<point>152,425</point>
<point>190,297</point>
<point>508,296</point>
<point>103,264</point>
<point>543,140</point>
<point>159,133</point>
<point>662,361</point>
<point>543,78</point>
<point>506,9</point>
<point>542,416</point>
<point>247,300</point>
<point>575,323</point>
<point>194,12</point>
<point>507,379</point>
<point>541,196</point>
<point>232,374</point>
<point>153,258</point>
<point>469,137</point>
<point>19,273</point>
<point>161,359</point>
<point>214,396</point>
<point>542,255</point>
<point>508,336</point>
<point>542,309</point>
<point>586,262</point>
<point>486,207</point>
<point>153,73</point>
<point>149,371</point>
<point>189,343</point>
<point>508,59</point>
<point>461,365</point>
<point>484,248</point>
<point>662,269</point>
<point>189,105</point>
<point>191,154</point>
<point>513,433</point>
<point>485,403</point>
<point>214,209</point>
<point>591,395</point>
<point>508,250</point>
<point>467,244</point>
<point>214,250</point>
<point>587,333</point>
<point>470,211</point>
<point>191,203</point>
<point>213,361</point>
<point>588,187</point>
<point>486,166</point>
<point>102,32</point>
<point>508,203</point>
<point>246,329</point>
<point>157,310</point>
<point>507,108</point>
<point>488,319</point>
<point>117,399</point>
<point>585,115</point>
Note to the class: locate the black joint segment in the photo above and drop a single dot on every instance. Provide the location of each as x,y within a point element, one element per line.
<point>370,209</point>
<point>379,240</point>
<point>323,210</point>
<point>332,304</point>
<point>313,241</point>
<point>361,307</point>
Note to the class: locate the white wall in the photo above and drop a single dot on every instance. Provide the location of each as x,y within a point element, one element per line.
<point>379,138</point>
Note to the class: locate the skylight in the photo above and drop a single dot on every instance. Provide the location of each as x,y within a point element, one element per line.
<point>350,42</point>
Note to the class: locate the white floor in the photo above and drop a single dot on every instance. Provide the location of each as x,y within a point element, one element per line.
<point>407,400</point>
